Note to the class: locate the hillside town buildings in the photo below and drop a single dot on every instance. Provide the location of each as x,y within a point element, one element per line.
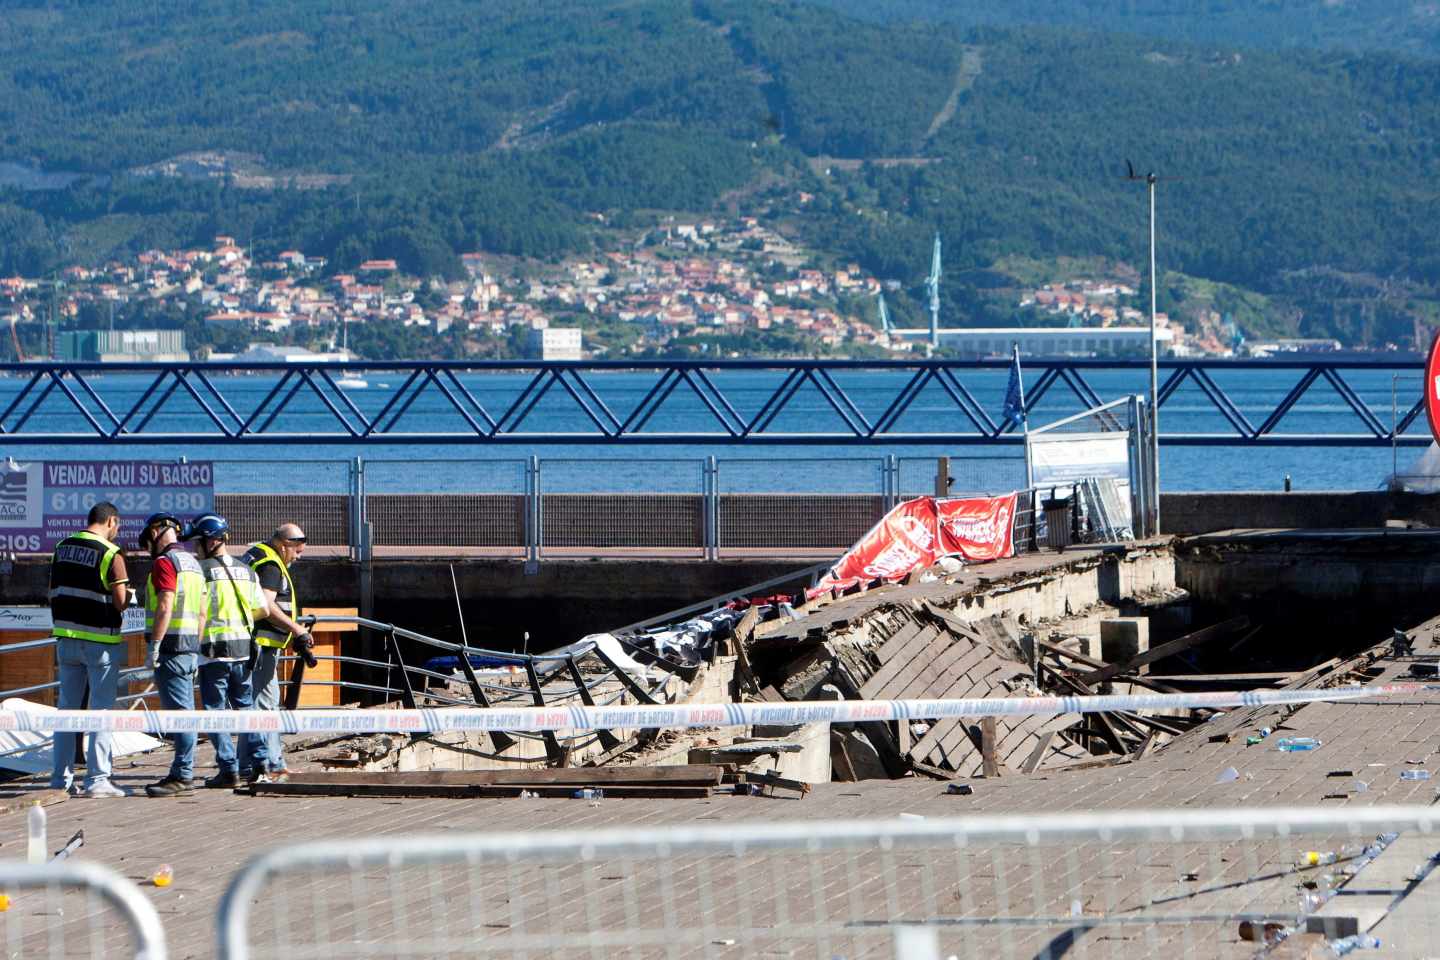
<point>687,282</point>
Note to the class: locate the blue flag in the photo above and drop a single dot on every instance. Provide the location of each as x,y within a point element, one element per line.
<point>1015,393</point>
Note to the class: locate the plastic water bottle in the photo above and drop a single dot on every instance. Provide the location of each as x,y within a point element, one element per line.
<point>1315,858</point>
<point>588,793</point>
<point>1414,774</point>
<point>1296,744</point>
<point>35,845</point>
<point>1359,941</point>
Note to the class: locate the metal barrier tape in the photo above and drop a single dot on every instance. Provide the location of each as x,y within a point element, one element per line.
<point>658,716</point>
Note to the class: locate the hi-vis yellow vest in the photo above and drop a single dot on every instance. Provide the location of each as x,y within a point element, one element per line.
<point>80,604</point>
<point>266,633</point>
<point>192,598</point>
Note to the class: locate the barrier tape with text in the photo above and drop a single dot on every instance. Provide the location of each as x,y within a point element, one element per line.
<point>656,716</point>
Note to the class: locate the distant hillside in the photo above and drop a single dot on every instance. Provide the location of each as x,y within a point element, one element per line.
<point>1399,26</point>
<point>452,125</point>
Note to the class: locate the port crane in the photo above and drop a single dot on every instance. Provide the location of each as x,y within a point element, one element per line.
<point>932,287</point>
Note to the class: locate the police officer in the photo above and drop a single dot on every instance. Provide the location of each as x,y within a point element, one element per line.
<point>236,602</point>
<point>89,588</point>
<point>176,604</point>
<point>271,562</point>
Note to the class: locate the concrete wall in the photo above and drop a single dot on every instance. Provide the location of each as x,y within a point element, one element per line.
<point>1187,514</point>
<point>1070,587</point>
<point>1316,594</point>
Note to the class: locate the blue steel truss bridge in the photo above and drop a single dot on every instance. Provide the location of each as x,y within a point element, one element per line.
<point>745,402</point>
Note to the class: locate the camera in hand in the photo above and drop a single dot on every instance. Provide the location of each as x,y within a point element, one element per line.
<point>301,645</point>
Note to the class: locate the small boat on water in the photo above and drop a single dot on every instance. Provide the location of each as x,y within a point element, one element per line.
<point>351,383</point>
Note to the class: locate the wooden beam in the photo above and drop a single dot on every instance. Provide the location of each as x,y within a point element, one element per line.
<point>1169,649</point>
<point>1151,722</point>
<point>695,774</point>
<point>989,765</point>
<point>935,773</point>
<point>876,731</point>
<point>1259,677</point>
<point>1066,652</point>
<point>21,801</point>
<point>1107,729</point>
<point>460,791</point>
<point>1037,756</point>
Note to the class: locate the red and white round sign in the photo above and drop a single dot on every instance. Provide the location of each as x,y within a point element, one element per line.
<point>1432,387</point>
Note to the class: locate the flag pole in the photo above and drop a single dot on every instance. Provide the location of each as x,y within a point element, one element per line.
<point>1024,414</point>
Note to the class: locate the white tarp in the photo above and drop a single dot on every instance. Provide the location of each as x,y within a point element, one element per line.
<point>35,751</point>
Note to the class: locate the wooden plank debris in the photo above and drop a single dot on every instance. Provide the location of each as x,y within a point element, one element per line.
<point>1169,649</point>
<point>708,774</point>
<point>987,748</point>
<point>14,803</point>
<point>691,780</point>
<point>461,791</point>
<point>1037,754</point>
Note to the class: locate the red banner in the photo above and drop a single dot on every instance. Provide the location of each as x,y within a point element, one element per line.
<point>977,529</point>
<point>918,532</point>
<point>902,541</point>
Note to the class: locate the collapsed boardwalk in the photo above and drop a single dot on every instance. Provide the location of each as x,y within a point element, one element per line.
<point>207,838</point>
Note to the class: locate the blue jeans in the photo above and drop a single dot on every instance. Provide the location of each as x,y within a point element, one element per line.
<point>226,686</point>
<point>175,683</point>
<point>266,685</point>
<point>79,662</point>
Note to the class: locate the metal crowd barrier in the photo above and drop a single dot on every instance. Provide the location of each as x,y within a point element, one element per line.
<point>1180,883</point>
<point>67,909</point>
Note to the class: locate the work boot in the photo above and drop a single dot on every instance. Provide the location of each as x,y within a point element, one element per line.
<point>170,787</point>
<point>225,779</point>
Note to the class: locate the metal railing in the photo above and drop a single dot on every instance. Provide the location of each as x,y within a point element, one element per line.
<point>1182,882</point>
<point>58,909</point>
<point>656,401</point>
<point>127,675</point>
<point>582,673</point>
<point>539,507</point>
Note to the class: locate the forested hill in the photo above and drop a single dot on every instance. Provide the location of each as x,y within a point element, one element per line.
<point>1404,26</point>
<point>497,125</point>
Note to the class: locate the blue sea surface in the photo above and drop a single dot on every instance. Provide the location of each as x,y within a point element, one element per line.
<point>310,459</point>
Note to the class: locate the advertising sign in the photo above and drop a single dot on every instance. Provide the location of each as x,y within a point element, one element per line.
<point>37,619</point>
<point>918,532</point>
<point>902,541</point>
<point>43,502</point>
<point>1064,458</point>
<point>977,528</point>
